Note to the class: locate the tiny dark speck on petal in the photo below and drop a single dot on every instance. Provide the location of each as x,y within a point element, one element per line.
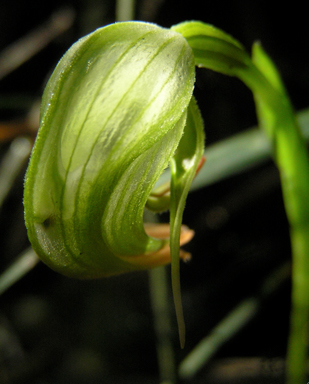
<point>47,222</point>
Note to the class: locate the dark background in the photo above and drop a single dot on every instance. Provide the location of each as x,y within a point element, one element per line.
<point>58,330</point>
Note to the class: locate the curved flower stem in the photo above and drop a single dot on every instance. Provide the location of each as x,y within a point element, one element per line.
<point>291,156</point>
<point>218,51</point>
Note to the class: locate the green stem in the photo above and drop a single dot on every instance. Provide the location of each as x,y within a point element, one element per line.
<point>298,339</point>
<point>159,293</point>
<point>291,156</point>
<point>215,50</point>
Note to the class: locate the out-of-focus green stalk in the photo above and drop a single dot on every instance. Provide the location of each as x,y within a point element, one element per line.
<point>23,49</point>
<point>125,10</point>
<point>298,338</point>
<point>20,267</point>
<point>12,163</point>
<point>231,324</point>
<point>159,294</point>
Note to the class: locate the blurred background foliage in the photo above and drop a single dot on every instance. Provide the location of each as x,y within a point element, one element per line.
<point>58,330</point>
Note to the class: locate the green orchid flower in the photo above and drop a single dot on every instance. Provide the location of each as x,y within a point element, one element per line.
<point>116,112</point>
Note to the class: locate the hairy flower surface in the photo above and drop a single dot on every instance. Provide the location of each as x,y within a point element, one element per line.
<point>114,112</point>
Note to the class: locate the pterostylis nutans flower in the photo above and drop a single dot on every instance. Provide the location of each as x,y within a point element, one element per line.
<point>117,111</point>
